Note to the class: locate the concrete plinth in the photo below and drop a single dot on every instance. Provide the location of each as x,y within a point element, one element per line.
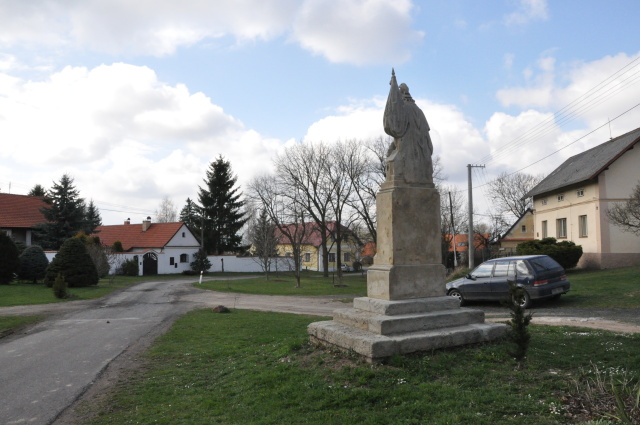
<point>377,329</point>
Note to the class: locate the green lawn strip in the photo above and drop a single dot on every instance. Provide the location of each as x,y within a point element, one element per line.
<point>258,368</point>
<point>8,324</point>
<point>613,288</point>
<point>20,293</point>
<point>310,284</point>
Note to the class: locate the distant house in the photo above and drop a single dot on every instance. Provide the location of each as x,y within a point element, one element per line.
<point>572,202</point>
<point>163,248</point>
<point>19,216</point>
<point>312,246</point>
<point>521,231</point>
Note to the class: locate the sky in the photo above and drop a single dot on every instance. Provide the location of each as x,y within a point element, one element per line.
<point>134,99</point>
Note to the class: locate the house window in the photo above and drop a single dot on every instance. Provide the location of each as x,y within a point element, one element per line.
<point>544,229</point>
<point>172,261</point>
<point>582,221</point>
<point>544,201</point>
<point>561,228</point>
<point>524,228</point>
<point>580,192</point>
<point>184,234</point>
<point>184,258</point>
<point>347,257</point>
<point>561,197</point>
<point>307,257</point>
<point>332,257</point>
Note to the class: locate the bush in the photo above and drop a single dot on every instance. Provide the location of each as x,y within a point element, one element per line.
<point>129,267</point>
<point>566,253</point>
<point>97,253</point>
<point>117,247</point>
<point>200,261</point>
<point>9,259</point>
<point>60,287</point>
<point>74,263</point>
<point>33,264</point>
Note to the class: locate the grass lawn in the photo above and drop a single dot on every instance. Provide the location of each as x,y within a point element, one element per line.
<point>8,324</point>
<point>614,288</point>
<point>311,283</point>
<point>258,368</point>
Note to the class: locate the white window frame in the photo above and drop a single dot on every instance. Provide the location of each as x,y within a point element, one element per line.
<point>561,197</point>
<point>583,225</point>
<point>580,193</point>
<point>561,228</point>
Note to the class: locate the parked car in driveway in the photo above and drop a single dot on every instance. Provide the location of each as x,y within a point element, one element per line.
<point>540,275</point>
<point>346,267</point>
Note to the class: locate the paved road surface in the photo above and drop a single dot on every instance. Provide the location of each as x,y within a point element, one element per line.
<point>48,367</point>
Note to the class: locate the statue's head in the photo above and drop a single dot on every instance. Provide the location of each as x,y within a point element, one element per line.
<point>404,89</point>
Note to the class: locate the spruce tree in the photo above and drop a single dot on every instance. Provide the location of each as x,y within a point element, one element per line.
<point>92,218</point>
<point>74,263</point>
<point>37,190</point>
<point>33,264</point>
<point>190,215</point>
<point>9,259</point>
<point>65,214</point>
<point>221,207</point>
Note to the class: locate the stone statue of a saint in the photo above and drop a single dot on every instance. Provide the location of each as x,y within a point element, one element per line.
<point>409,155</point>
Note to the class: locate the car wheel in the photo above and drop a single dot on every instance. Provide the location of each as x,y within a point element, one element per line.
<point>456,294</point>
<point>525,302</point>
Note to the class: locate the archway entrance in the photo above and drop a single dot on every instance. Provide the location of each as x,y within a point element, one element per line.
<point>150,264</point>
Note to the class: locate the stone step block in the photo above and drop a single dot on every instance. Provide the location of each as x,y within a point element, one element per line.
<point>406,323</point>
<point>397,307</point>
<point>376,347</point>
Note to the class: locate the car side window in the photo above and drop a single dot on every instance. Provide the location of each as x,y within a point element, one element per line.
<point>483,270</point>
<point>503,268</point>
<point>521,268</point>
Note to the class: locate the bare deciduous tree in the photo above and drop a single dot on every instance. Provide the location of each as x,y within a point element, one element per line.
<point>285,210</point>
<point>626,215</point>
<point>263,239</point>
<point>508,191</point>
<point>303,169</point>
<point>166,211</point>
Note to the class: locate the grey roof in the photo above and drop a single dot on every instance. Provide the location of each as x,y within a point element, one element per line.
<point>586,165</point>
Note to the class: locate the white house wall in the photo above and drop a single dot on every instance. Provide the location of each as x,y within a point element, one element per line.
<point>184,238</point>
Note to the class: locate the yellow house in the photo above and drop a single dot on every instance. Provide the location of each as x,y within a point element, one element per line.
<point>521,231</point>
<point>572,202</point>
<point>311,247</point>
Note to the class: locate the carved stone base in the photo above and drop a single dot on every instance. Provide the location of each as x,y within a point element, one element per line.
<point>377,329</point>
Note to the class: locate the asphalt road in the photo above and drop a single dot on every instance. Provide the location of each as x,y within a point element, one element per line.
<point>48,367</point>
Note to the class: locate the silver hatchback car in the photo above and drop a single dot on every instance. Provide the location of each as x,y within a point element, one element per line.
<point>540,275</point>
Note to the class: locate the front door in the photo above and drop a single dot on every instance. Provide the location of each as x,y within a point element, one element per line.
<point>150,264</point>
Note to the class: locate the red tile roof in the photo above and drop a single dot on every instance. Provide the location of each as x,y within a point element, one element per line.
<point>478,242</point>
<point>131,235</point>
<point>20,211</point>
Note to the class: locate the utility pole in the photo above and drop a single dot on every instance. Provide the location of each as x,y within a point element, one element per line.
<point>470,242</point>
<point>453,234</point>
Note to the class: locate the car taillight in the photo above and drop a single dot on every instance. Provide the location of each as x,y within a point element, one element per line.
<point>540,282</point>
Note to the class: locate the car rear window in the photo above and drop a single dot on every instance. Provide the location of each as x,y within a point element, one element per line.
<point>544,263</point>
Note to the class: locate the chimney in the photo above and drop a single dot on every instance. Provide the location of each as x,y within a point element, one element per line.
<point>127,222</point>
<point>146,224</point>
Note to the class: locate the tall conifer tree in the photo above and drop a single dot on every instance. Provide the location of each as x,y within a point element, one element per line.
<point>221,208</point>
<point>65,214</point>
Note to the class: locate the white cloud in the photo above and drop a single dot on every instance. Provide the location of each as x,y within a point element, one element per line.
<point>125,136</point>
<point>358,31</point>
<point>353,31</point>
<point>528,11</point>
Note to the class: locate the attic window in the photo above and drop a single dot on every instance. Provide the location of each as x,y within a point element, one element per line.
<point>183,234</point>
<point>561,197</point>
<point>524,228</point>
<point>544,201</point>
<point>580,192</point>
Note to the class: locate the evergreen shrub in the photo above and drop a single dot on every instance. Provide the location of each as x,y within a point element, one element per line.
<point>9,259</point>
<point>566,253</point>
<point>74,263</point>
<point>33,264</point>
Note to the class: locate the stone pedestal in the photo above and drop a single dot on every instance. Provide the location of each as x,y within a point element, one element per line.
<point>406,309</point>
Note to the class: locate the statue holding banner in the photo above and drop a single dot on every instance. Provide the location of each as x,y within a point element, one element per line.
<point>409,155</point>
